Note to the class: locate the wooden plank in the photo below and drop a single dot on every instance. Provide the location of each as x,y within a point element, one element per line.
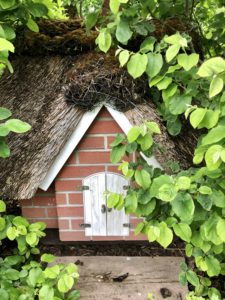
<point>93,200</point>
<point>116,218</point>
<point>146,275</point>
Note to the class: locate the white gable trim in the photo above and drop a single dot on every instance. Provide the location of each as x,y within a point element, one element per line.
<point>77,135</point>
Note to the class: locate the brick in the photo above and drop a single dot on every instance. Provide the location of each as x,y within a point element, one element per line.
<point>26,202</point>
<point>113,169</point>
<point>67,185</point>
<point>89,142</point>
<point>110,139</point>
<point>44,201</point>
<point>63,224</point>
<point>66,211</point>
<point>67,236</point>
<point>60,199</point>
<point>76,224</point>
<point>76,198</point>
<point>133,237</point>
<point>34,212</point>
<point>52,212</point>
<point>79,171</point>
<point>50,223</point>
<point>104,113</point>
<point>94,157</point>
<point>71,159</point>
<point>104,126</point>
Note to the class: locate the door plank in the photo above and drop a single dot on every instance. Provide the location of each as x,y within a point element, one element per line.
<point>93,200</point>
<point>115,218</point>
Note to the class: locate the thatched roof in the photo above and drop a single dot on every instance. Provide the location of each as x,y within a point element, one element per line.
<point>52,94</point>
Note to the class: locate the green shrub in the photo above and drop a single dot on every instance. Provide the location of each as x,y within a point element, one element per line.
<point>23,273</point>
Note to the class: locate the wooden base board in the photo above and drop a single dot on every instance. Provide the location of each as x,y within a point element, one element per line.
<point>156,275</point>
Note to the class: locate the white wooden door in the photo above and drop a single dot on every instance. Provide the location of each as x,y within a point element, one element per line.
<point>117,220</point>
<point>103,221</point>
<point>94,202</point>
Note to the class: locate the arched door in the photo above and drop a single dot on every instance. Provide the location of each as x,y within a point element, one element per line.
<point>101,220</point>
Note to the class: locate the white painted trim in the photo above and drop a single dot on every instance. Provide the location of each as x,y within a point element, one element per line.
<point>77,135</point>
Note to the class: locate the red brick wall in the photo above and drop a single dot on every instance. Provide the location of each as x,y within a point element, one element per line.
<point>66,202</point>
<point>42,207</point>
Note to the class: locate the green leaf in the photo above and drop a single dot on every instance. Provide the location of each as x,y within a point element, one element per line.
<point>144,210</point>
<point>104,40</point>
<point>145,141</point>
<point>147,45</point>
<point>220,228</point>
<point>176,39</point>
<point>4,294</point>
<point>154,65</point>
<point>4,113</point>
<point>137,65</point>
<point>37,9</point>
<point>123,32</point>
<point>17,126</point>
<point>212,66</point>
<point>113,200</point>
<point>35,275</point>
<point>4,149</point>
<point>183,206</point>
<point>205,201</point>
<point>197,116</point>
<point>73,295</point>
<point>5,4</point>
<point>114,6</point>
<point>164,83</point>
<point>166,235</point>
<point>131,203</point>
<point>212,157</point>
<point>153,233</point>
<point>2,206</point>
<point>18,221</point>
<point>4,131</point>
<point>46,292</point>
<point>192,277</point>
<point>31,239</point>
<point>65,283</point>
<point>205,190</point>
<point>118,140</point>
<point>183,183</point>
<point>6,45</point>
<point>210,119</point>
<point>172,52</point>
<point>139,228</point>
<point>48,258</point>
<point>124,57</point>
<point>214,135</point>
<point>2,223</point>
<point>158,182</point>
<point>12,233</point>
<point>142,177</point>
<point>213,266</point>
<point>218,198</point>
<point>188,61</point>
<point>216,86</point>
<point>167,192</point>
<point>179,103</point>
<point>133,134</point>
<point>32,25</point>
<point>117,153</point>
<point>12,274</point>
<point>183,230</point>
<point>169,92</point>
<point>153,127</point>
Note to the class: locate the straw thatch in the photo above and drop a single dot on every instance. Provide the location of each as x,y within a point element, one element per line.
<point>52,94</point>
